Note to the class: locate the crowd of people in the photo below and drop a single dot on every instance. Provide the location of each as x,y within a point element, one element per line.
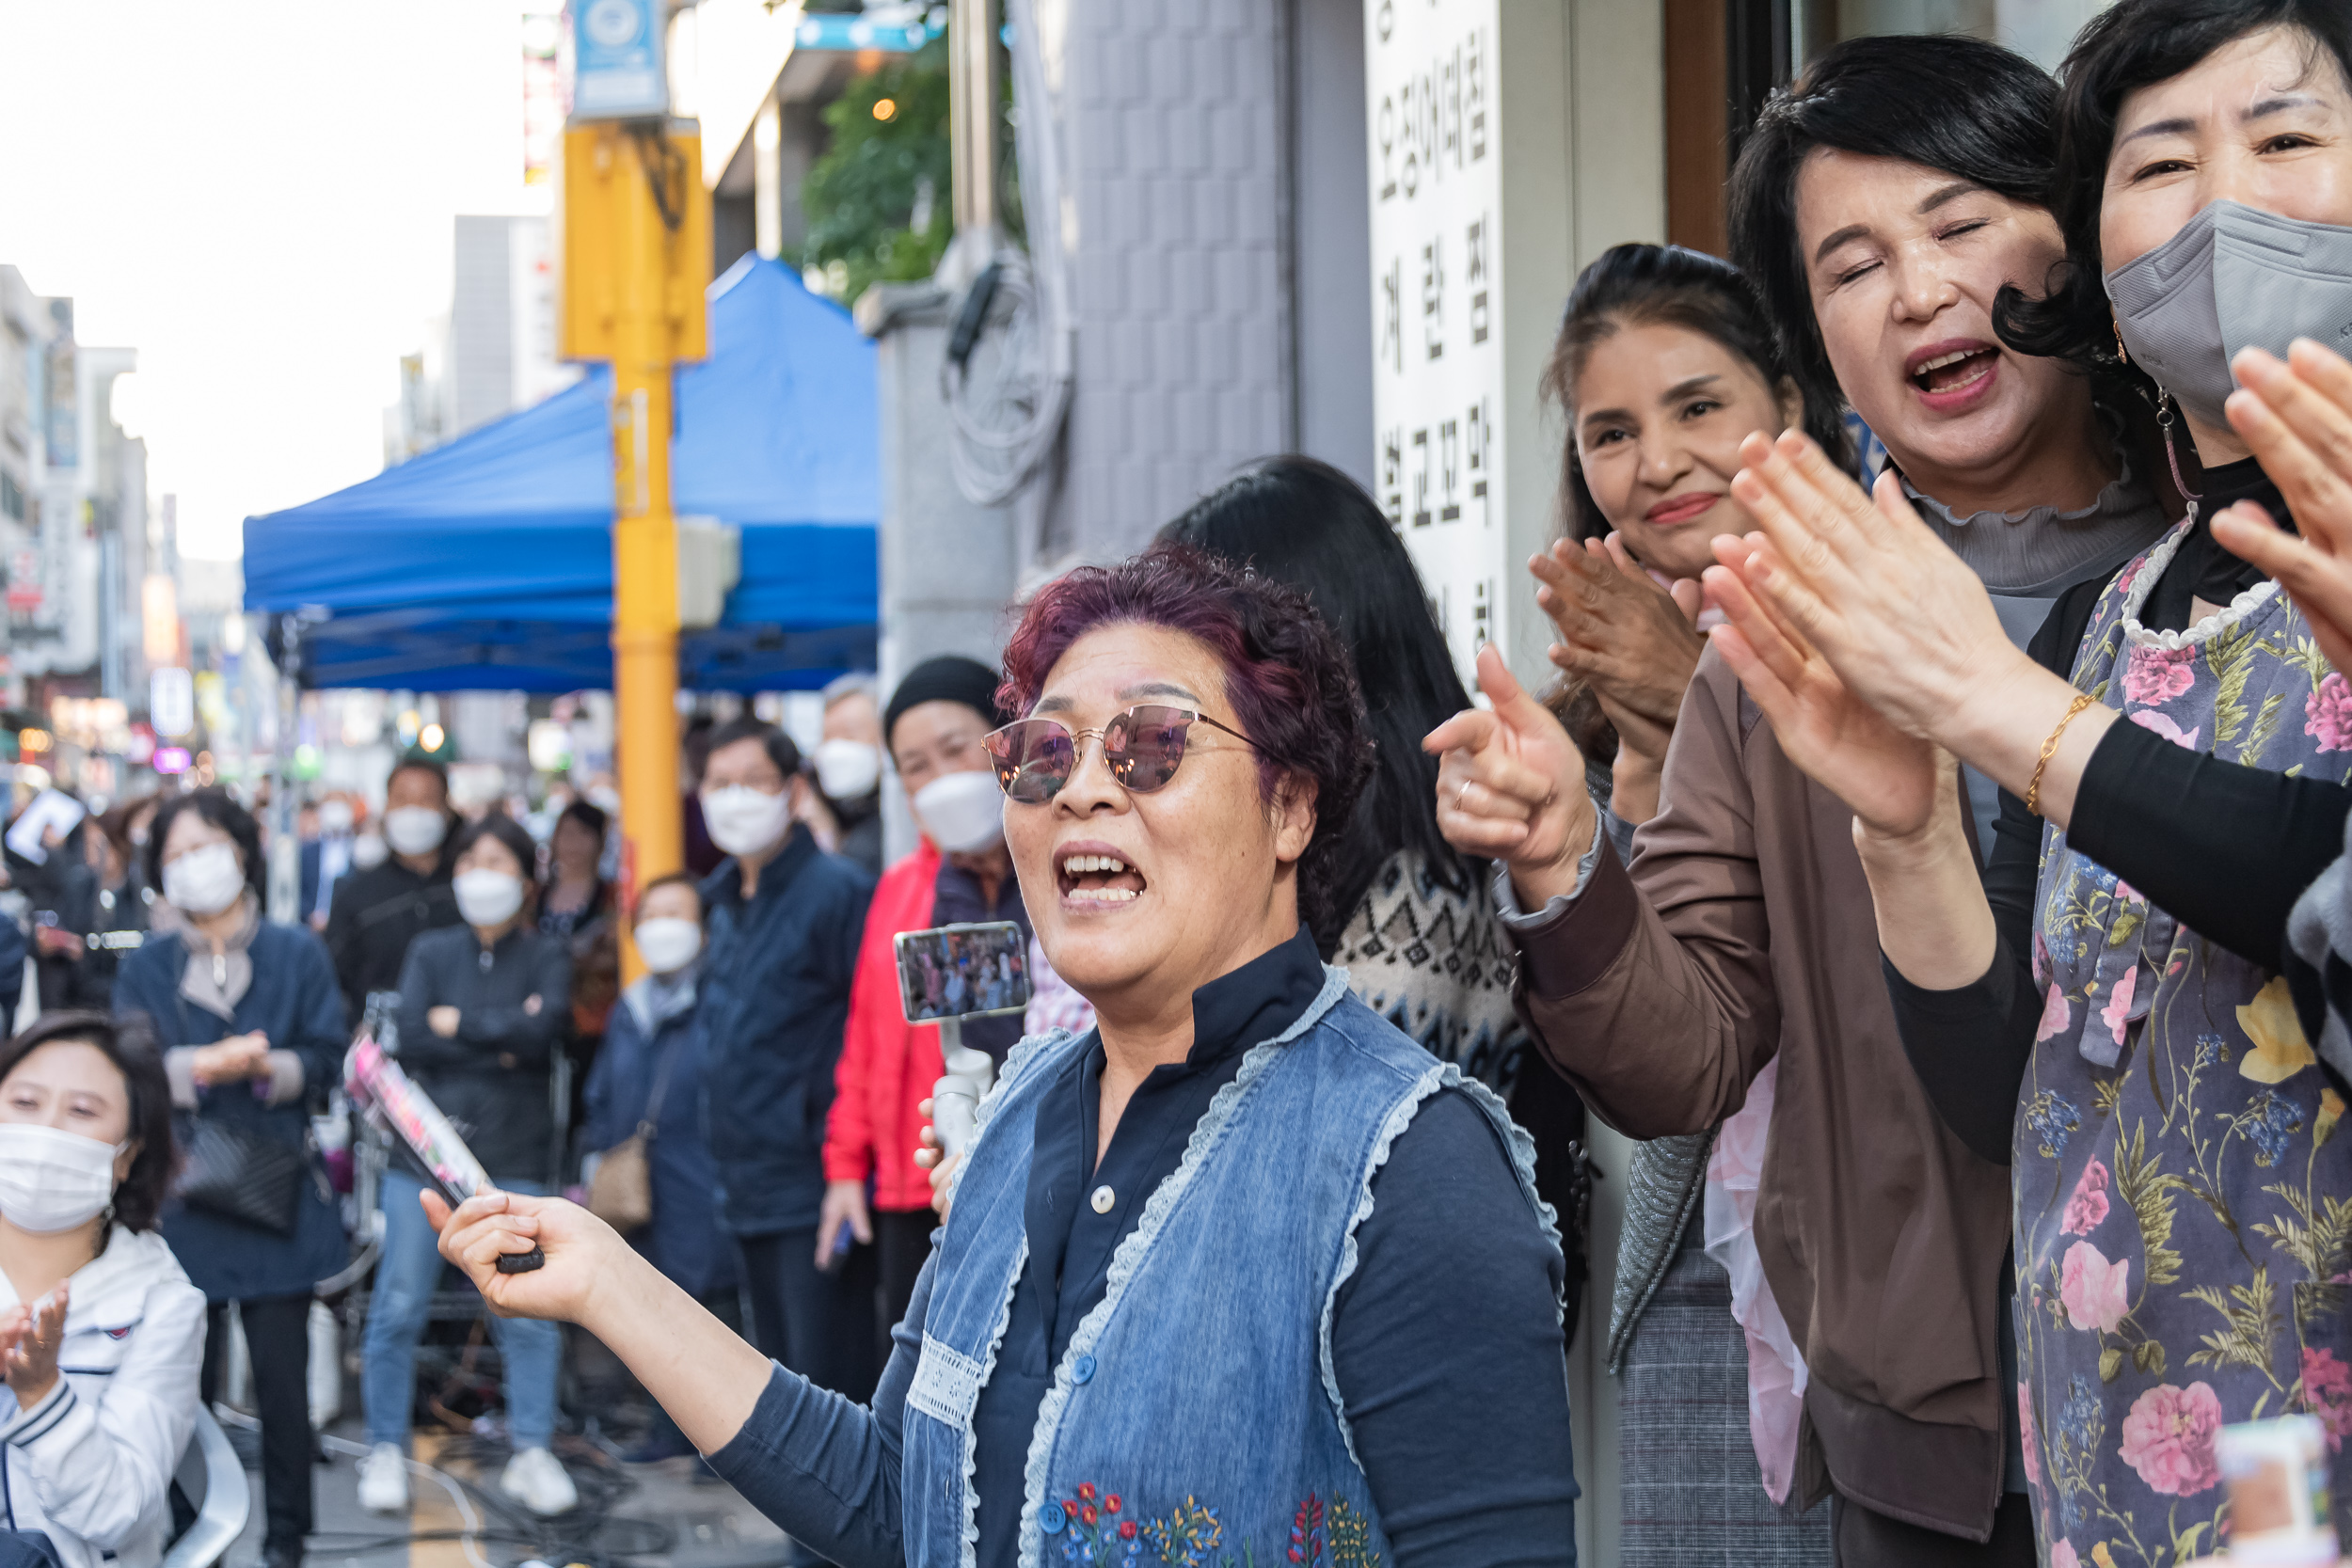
<point>1936,860</point>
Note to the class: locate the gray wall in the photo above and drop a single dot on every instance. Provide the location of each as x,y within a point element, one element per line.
<point>947,567</point>
<point>1330,223</point>
<point>1172,120</point>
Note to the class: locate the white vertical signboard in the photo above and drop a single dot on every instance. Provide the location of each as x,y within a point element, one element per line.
<point>1437,299</point>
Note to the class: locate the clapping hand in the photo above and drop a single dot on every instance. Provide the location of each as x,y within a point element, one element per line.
<point>1634,642</point>
<point>1511,786</point>
<point>1899,617</point>
<point>29,1338</point>
<point>1893,781</point>
<point>232,1060</point>
<point>2297,417</point>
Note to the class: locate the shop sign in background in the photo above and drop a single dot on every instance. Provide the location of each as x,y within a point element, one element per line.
<point>1437,365</point>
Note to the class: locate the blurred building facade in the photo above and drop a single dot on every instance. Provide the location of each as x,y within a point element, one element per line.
<point>493,350</point>
<point>75,527</point>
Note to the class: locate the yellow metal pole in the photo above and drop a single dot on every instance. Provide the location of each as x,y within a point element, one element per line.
<point>637,254</point>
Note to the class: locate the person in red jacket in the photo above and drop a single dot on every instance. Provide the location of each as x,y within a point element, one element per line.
<point>959,872</point>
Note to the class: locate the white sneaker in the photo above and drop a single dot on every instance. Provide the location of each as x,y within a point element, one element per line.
<point>535,1478</point>
<point>384,1480</point>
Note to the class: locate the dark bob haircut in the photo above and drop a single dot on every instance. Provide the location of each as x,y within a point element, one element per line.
<point>1289,681</point>
<point>588,814</point>
<point>1970,109</point>
<point>219,808</point>
<point>1669,285</point>
<point>670,878</point>
<point>128,1042</point>
<point>778,745</point>
<point>1304,523</point>
<point>2135,44</point>
<point>506,830</point>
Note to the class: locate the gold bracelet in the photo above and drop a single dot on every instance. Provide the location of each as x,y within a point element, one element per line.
<point>2049,748</point>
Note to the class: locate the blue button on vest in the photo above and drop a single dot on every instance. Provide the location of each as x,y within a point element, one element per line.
<point>1195,1417</point>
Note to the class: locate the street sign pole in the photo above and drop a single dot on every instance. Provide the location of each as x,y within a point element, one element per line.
<point>636,259</point>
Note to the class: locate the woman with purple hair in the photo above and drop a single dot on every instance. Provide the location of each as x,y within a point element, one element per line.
<point>1242,1273</point>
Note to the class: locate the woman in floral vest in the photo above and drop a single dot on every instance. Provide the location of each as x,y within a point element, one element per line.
<point>2105,1010</point>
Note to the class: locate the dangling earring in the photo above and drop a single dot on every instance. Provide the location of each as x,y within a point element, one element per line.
<point>2164,427</point>
<point>2120,352</point>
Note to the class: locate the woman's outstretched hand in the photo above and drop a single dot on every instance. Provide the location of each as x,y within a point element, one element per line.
<point>1900,617</point>
<point>2297,417</point>
<point>1633,640</point>
<point>583,1253</point>
<point>1511,786</point>
<point>1893,781</point>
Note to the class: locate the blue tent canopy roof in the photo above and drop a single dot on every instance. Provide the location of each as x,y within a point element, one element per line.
<point>487,562</point>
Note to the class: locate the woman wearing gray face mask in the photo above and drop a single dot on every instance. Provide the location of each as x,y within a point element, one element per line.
<point>2111,992</point>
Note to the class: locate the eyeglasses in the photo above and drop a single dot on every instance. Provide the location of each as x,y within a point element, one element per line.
<point>1035,757</point>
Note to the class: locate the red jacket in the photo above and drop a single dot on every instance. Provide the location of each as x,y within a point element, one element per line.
<point>887,1065</point>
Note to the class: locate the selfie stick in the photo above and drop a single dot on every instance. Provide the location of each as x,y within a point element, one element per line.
<point>377,1081</point>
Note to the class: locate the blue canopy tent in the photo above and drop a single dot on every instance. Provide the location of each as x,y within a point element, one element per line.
<point>487,564</point>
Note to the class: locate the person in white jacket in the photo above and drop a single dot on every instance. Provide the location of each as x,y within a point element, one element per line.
<point>101,1336</point>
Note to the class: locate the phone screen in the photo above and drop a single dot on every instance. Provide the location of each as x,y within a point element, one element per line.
<point>962,972</point>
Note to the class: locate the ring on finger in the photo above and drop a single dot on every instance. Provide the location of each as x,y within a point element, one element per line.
<point>1463,793</point>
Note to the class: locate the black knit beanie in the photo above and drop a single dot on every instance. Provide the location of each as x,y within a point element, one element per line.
<point>949,679</point>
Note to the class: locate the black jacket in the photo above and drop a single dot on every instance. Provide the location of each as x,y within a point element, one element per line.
<point>491,1078</point>
<point>775,994</point>
<point>376,913</point>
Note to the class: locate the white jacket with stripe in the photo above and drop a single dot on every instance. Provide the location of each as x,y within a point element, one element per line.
<point>92,1463</point>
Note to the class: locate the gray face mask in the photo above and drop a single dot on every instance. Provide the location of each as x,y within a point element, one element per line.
<point>2235,277</point>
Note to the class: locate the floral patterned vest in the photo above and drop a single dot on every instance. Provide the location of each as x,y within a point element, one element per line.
<point>2184,1209</point>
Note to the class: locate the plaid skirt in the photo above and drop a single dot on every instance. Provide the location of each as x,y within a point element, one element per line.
<point>1691,1493</point>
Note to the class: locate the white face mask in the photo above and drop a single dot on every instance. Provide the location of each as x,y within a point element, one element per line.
<point>52,1180</point>
<point>963,812</point>
<point>848,770</point>
<point>204,880</point>
<point>668,944</point>
<point>743,820</point>
<point>488,897</point>
<point>368,851</point>
<point>335,816</point>
<point>415,829</point>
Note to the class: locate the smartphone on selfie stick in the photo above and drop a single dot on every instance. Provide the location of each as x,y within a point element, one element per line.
<point>950,973</point>
<point>393,1100</point>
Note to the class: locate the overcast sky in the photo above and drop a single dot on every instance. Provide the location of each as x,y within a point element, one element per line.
<point>257,198</point>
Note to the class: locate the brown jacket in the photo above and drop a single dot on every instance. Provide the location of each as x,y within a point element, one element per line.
<point>1745,928</point>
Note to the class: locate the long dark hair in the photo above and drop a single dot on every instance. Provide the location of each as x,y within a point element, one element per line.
<point>1667,285</point>
<point>2135,44</point>
<point>1304,523</point>
<point>219,808</point>
<point>1957,105</point>
<point>128,1042</point>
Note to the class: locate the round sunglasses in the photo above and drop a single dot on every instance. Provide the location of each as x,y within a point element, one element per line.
<point>1143,746</point>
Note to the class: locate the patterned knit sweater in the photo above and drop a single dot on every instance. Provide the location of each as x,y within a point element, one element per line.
<point>1436,964</point>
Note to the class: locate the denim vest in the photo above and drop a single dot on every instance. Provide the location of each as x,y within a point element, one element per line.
<point>1202,1422</point>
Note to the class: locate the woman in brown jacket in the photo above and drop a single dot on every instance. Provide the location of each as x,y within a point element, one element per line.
<point>1880,205</point>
